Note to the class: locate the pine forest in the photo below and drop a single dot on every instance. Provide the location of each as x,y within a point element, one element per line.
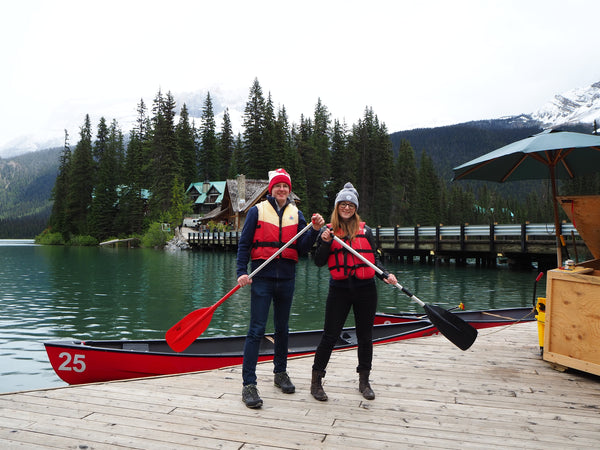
<point>107,187</point>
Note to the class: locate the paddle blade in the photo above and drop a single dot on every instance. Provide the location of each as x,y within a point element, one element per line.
<point>183,333</point>
<point>456,330</point>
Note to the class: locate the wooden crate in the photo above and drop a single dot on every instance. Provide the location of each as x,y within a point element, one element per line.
<point>584,213</point>
<point>572,329</point>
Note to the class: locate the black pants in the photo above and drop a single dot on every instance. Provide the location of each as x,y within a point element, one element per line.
<point>363,301</point>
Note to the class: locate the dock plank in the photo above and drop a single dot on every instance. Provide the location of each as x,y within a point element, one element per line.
<point>429,394</point>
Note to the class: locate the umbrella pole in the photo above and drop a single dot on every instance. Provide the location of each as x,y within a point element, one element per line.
<point>556,221</point>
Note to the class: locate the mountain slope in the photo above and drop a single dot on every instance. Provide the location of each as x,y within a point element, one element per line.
<point>26,183</point>
<point>580,105</point>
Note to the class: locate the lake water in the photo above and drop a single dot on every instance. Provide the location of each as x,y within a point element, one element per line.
<point>49,293</point>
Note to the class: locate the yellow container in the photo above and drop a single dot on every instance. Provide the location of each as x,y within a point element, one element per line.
<point>540,308</point>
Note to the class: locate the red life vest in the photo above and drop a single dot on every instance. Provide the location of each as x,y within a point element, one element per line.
<point>343,264</point>
<point>273,231</point>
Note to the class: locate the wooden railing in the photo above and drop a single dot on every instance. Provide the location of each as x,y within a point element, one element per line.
<point>442,239</point>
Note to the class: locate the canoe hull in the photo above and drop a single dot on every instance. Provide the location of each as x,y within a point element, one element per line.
<point>478,319</point>
<point>77,362</point>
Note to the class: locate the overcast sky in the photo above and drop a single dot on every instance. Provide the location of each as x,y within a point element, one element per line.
<point>416,63</point>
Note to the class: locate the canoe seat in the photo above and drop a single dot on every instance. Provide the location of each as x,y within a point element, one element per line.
<point>136,346</point>
<point>347,339</point>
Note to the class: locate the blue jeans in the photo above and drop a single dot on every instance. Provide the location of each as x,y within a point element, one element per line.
<point>263,291</point>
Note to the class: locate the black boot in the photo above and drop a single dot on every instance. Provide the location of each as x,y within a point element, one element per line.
<point>316,388</point>
<point>363,385</point>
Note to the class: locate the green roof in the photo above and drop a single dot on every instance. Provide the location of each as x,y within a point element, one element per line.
<point>219,186</point>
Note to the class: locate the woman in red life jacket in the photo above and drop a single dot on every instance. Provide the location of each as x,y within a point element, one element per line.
<point>268,226</point>
<point>352,285</point>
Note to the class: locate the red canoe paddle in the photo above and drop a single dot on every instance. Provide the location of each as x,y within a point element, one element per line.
<point>183,333</point>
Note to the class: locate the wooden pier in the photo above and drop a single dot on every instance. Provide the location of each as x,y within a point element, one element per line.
<point>499,394</point>
<point>129,242</point>
<point>519,244</point>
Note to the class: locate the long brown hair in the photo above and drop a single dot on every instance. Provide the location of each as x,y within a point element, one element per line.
<point>345,228</point>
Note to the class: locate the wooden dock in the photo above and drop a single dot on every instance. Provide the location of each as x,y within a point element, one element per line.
<point>430,394</point>
<point>519,244</point>
<point>117,242</point>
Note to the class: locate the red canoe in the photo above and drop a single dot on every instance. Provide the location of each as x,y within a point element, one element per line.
<point>477,318</point>
<point>77,362</point>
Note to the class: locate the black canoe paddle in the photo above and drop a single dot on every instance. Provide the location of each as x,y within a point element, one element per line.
<point>456,330</point>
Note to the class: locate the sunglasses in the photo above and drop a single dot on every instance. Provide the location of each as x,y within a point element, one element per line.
<point>347,205</point>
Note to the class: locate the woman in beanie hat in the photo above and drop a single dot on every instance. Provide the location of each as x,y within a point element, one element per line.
<point>352,285</point>
<point>269,225</point>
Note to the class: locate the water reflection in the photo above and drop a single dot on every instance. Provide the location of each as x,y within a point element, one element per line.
<point>105,293</point>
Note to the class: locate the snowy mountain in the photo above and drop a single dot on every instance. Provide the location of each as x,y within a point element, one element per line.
<point>581,105</point>
<point>52,135</point>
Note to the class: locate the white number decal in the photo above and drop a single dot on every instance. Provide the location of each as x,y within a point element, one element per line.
<point>77,364</point>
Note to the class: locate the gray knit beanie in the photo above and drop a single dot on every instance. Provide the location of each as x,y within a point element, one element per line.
<point>348,194</point>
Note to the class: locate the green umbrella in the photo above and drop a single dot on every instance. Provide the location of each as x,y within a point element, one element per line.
<point>550,154</point>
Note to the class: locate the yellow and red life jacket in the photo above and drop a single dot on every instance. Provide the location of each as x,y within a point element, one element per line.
<point>273,231</point>
<point>343,264</point>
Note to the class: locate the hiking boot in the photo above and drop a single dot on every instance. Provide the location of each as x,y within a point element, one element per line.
<point>250,396</point>
<point>316,388</point>
<point>364,386</point>
<point>283,382</point>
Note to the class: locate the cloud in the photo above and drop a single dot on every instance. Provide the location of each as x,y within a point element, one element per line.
<point>416,64</point>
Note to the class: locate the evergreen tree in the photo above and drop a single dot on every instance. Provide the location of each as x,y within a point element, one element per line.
<point>226,143</point>
<point>117,143</point>
<point>359,142</point>
<point>237,162</point>
<point>583,185</point>
<point>81,182</point>
<point>282,137</point>
<point>210,161</point>
<point>131,202</point>
<point>99,147</point>
<point>256,155</point>
<point>375,171</point>
<point>164,157</point>
<point>428,193</point>
<point>103,211</point>
<point>58,218</point>
<point>180,205</point>
<point>274,155</point>
<point>295,165</point>
<point>383,175</point>
<point>307,154</point>
<point>460,206</point>
<point>405,188</point>
<point>137,168</point>
<point>186,144</point>
<point>319,172</point>
<point>344,162</point>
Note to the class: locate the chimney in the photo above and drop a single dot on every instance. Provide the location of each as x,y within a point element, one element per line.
<point>241,184</point>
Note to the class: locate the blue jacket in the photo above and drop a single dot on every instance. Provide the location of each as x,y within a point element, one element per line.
<point>279,267</point>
